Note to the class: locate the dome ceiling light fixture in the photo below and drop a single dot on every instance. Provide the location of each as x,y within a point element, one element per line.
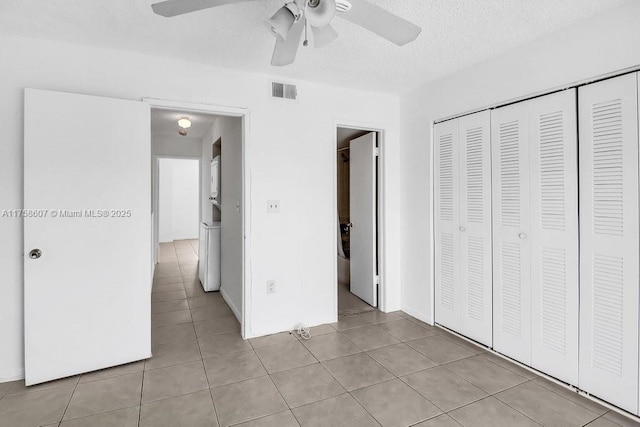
<point>288,24</point>
<point>184,123</point>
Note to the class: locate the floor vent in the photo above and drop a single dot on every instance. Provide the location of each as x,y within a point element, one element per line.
<point>285,91</point>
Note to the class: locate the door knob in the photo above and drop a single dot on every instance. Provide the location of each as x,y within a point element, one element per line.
<point>35,254</point>
<point>522,235</point>
<point>461,228</point>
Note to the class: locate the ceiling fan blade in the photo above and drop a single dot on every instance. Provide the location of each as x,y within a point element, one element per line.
<point>322,36</point>
<point>384,23</point>
<point>171,8</point>
<point>286,50</point>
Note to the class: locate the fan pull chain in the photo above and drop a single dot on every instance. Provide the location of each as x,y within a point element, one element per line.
<point>306,39</point>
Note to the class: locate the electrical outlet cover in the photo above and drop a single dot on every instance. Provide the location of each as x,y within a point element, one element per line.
<point>273,206</point>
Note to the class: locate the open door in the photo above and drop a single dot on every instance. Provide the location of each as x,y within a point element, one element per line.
<point>87,265</point>
<point>362,207</point>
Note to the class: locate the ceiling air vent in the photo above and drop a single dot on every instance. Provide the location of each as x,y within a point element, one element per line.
<point>282,90</point>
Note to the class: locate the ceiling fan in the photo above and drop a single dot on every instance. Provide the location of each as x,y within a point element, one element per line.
<point>289,22</point>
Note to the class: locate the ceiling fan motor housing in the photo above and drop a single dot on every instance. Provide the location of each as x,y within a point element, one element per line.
<point>320,12</point>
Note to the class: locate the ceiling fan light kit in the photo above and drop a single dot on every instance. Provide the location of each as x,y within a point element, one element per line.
<point>289,22</point>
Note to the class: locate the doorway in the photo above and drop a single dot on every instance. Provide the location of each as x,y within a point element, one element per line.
<point>206,248</point>
<point>178,201</point>
<point>357,202</point>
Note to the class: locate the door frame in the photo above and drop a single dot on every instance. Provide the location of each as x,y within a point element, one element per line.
<point>155,196</point>
<point>380,204</point>
<point>245,115</point>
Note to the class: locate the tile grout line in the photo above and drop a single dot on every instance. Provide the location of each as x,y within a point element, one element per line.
<point>574,392</point>
<point>488,397</point>
<point>215,411</point>
<point>200,349</point>
<point>362,406</point>
<point>96,415</point>
<point>350,392</point>
<point>274,385</point>
<point>464,379</point>
<point>550,391</point>
<point>144,373</point>
<point>144,370</point>
<point>66,408</point>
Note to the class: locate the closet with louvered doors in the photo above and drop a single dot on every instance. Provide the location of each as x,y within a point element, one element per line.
<point>535,233</point>
<point>609,240</point>
<point>463,226</point>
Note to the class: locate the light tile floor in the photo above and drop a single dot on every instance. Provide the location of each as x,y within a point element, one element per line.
<point>368,369</point>
<point>348,303</point>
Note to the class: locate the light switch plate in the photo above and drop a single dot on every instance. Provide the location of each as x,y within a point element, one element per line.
<point>273,206</point>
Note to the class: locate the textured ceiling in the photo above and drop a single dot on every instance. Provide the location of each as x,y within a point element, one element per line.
<point>165,123</point>
<point>456,34</point>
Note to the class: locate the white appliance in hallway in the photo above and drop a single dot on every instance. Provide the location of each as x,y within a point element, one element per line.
<point>209,256</point>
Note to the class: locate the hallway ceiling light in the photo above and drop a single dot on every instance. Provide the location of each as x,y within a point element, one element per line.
<point>184,123</point>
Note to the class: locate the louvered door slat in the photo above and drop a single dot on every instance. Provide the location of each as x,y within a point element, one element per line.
<point>553,159</point>
<point>609,238</point>
<point>475,227</point>
<point>511,252</point>
<point>447,213</point>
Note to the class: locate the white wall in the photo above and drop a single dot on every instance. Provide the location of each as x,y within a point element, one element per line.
<point>607,43</point>
<point>168,146</point>
<point>230,130</point>
<point>290,157</point>
<point>164,214</point>
<point>176,146</point>
<point>179,199</point>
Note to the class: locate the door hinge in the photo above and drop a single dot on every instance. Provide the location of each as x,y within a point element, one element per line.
<point>376,280</point>
<point>377,151</point>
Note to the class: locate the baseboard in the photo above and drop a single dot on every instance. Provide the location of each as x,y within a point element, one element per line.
<point>271,331</point>
<point>418,315</point>
<point>12,378</point>
<point>231,305</point>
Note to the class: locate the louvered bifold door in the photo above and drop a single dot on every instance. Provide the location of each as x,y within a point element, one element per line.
<point>475,227</point>
<point>608,116</point>
<point>553,160</point>
<point>447,212</point>
<point>511,249</point>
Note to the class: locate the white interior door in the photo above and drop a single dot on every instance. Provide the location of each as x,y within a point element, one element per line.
<point>609,236</point>
<point>511,216</point>
<point>553,160</point>
<point>476,315</point>
<point>362,213</point>
<point>447,223</point>
<point>87,297</point>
